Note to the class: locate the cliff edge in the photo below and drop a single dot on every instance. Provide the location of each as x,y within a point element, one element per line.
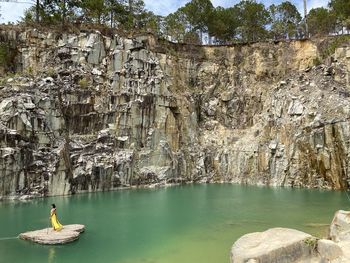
<point>88,112</point>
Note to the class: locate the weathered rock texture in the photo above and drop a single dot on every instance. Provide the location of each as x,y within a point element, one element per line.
<point>87,112</point>
<point>283,245</point>
<point>340,231</point>
<point>48,236</point>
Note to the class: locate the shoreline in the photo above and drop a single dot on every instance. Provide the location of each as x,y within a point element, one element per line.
<point>24,198</point>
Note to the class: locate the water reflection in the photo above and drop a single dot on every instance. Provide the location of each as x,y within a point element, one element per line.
<point>52,252</point>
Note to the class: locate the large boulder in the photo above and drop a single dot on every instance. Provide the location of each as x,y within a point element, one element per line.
<point>280,245</point>
<point>48,236</point>
<point>329,250</point>
<point>340,226</point>
<point>283,245</point>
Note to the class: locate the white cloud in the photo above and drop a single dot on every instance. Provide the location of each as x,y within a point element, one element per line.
<point>317,3</point>
<point>224,3</point>
<point>164,7</point>
<point>12,12</point>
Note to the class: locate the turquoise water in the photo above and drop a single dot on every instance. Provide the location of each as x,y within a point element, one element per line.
<point>194,223</point>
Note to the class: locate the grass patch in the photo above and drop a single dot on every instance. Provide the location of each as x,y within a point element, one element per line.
<point>83,83</point>
<point>316,61</point>
<point>311,242</point>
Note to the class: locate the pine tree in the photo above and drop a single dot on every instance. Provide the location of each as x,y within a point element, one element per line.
<point>253,18</point>
<point>285,20</point>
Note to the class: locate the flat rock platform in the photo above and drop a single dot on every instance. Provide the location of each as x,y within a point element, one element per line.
<point>48,236</point>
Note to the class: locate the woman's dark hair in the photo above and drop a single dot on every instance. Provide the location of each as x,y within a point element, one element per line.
<point>53,206</point>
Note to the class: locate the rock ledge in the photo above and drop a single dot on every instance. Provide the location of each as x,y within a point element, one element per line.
<point>273,245</point>
<point>48,236</point>
<point>283,245</point>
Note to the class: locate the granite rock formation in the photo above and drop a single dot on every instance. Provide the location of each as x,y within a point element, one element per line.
<point>48,236</point>
<point>89,112</point>
<point>285,245</point>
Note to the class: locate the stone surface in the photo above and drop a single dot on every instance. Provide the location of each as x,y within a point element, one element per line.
<point>274,245</point>
<point>329,250</point>
<point>340,226</point>
<point>75,227</point>
<point>345,246</point>
<point>48,236</point>
<point>282,245</point>
<point>87,112</point>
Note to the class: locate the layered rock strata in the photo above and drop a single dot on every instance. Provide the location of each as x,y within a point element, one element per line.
<point>88,112</point>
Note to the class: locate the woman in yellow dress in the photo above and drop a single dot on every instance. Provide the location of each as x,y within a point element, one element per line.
<point>54,221</point>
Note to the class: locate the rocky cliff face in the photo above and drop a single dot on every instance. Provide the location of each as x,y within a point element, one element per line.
<point>87,112</point>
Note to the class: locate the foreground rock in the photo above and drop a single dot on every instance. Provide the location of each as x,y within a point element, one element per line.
<point>273,245</point>
<point>340,227</point>
<point>285,245</point>
<point>48,236</point>
<point>329,250</point>
<point>340,231</point>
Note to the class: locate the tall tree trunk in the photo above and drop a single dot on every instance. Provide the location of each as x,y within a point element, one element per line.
<point>131,16</point>
<point>37,11</point>
<point>63,12</point>
<point>130,6</point>
<point>112,19</point>
<point>305,20</point>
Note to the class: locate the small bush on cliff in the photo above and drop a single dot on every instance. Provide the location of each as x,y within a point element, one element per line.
<point>51,72</point>
<point>317,61</point>
<point>83,83</point>
<point>311,242</point>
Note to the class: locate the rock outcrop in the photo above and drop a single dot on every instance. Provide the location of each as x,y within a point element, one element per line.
<point>88,112</point>
<point>48,236</point>
<point>281,245</point>
<point>340,231</point>
<point>285,245</point>
<point>340,227</point>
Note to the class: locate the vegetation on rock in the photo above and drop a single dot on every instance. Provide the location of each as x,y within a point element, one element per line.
<point>199,21</point>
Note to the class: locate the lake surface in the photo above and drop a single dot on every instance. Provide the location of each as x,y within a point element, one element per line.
<point>187,224</point>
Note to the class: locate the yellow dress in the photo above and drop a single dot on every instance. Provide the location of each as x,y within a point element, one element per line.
<point>54,221</point>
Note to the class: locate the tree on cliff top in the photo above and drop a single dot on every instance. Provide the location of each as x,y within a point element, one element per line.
<point>247,21</point>
<point>224,24</point>
<point>199,15</point>
<point>321,21</point>
<point>175,25</point>
<point>126,14</point>
<point>136,15</point>
<point>93,10</point>
<point>285,20</point>
<point>52,12</point>
<point>342,9</point>
<point>253,18</point>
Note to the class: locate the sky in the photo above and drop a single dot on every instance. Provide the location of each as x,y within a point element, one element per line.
<point>11,12</point>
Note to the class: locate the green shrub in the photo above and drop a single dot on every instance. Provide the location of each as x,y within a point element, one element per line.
<point>317,61</point>
<point>51,72</point>
<point>311,242</point>
<point>83,83</point>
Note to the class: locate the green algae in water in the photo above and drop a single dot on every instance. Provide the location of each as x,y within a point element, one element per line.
<point>194,223</point>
